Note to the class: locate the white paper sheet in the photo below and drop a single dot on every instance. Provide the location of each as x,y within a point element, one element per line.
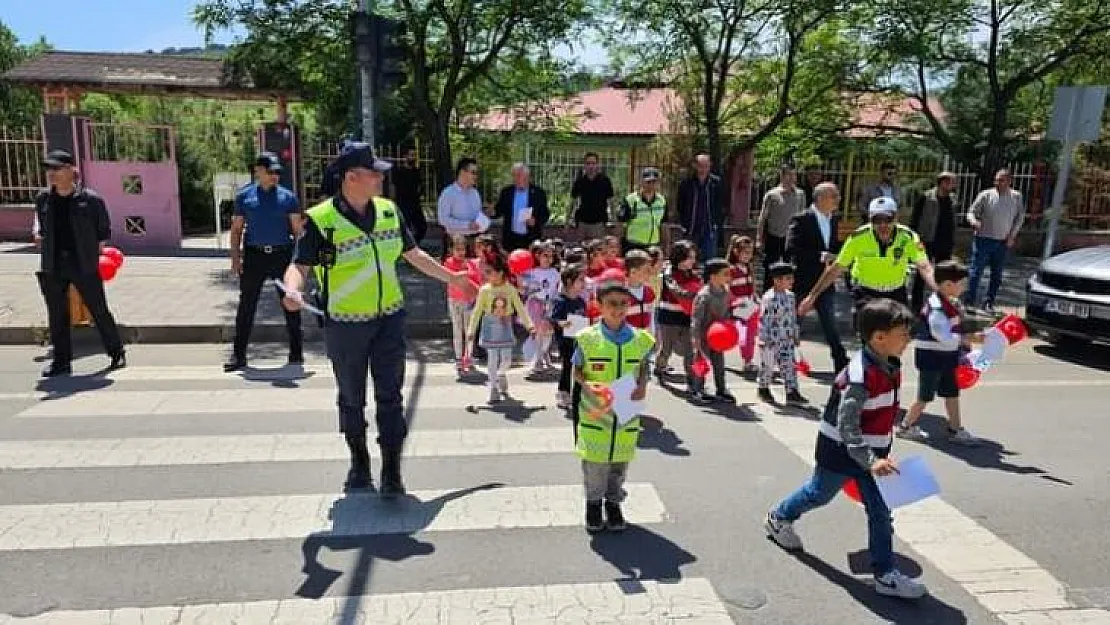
<point>482,221</point>
<point>745,308</point>
<point>520,223</point>
<point>297,295</point>
<point>578,323</point>
<point>994,345</point>
<point>913,482</point>
<point>624,406</point>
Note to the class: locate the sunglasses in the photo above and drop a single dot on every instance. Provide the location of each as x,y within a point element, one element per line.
<point>882,220</point>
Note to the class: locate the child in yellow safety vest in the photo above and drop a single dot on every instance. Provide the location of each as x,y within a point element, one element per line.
<point>606,352</point>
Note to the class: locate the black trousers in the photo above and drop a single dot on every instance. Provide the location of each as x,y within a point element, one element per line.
<point>258,266</point>
<point>936,255</point>
<point>862,295</point>
<point>774,250</point>
<point>55,291</point>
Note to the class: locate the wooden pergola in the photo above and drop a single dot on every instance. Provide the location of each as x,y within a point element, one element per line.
<point>64,77</point>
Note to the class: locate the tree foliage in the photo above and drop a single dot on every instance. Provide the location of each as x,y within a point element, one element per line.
<point>745,68</point>
<point>19,106</point>
<point>991,62</point>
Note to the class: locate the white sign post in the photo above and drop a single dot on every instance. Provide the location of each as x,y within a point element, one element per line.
<point>1076,117</point>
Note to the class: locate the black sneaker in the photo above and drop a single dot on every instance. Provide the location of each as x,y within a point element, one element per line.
<point>796,398</point>
<point>235,364</point>
<point>701,397</point>
<point>296,358</point>
<point>614,519</point>
<point>56,369</point>
<point>765,395</point>
<point>119,361</point>
<point>726,397</point>
<point>595,522</point>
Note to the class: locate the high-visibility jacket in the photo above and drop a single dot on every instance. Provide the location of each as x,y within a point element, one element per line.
<point>604,439</point>
<point>647,219</point>
<point>880,267</point>
<point>363,284</point>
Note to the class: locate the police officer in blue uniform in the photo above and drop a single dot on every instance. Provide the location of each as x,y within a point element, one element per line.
<point>271,215</point>
<point>351,243</point>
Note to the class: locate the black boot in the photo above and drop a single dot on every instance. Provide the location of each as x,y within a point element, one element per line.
<point>391,472</point>
<point>358,477</point>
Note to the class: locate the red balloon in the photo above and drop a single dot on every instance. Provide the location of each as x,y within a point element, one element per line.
<point>593,310</point>
<point>966,376</point>
<point>722,336</point>
<point>107,268</point>
<point>851,489</point>
<point>803,367</point>
<point>114,254</point>
<point>687,306</point>
<point>1012,327</point>
<point>520,261</point>
<point>700,366</point>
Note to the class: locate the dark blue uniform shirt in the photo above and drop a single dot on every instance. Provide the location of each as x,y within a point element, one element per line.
<point>267,214</point>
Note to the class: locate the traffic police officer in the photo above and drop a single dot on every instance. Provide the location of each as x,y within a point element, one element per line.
<point>879,254</point>
<point>643,213</point>
<point>352,243</point>
<point>271,215</point>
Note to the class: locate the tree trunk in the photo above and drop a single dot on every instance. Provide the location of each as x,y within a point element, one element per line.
<point>441,152</point>
<point>994,156</point>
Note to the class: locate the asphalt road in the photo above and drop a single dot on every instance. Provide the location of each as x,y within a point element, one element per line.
<point>172,484</point>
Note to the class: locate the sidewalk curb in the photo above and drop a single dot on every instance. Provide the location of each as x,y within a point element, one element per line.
<point>152,334</point>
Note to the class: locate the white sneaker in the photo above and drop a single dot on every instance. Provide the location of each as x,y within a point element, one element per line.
<point>562,400</point>
<point>913,433</point>
<point>897,584</point>
<point>963,437</point>
<point>782,532</point>
<point>503,383</point>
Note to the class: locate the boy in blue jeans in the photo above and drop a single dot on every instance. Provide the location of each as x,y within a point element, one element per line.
<point>853,442</point>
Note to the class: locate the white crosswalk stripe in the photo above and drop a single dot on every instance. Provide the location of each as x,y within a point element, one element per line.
<point>67,524</point>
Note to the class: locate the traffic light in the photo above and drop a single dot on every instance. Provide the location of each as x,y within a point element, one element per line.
<point>284,141</point>
<point>389,53</point>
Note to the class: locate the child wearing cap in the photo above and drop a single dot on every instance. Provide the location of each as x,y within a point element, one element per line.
<point>606,352</point>
<point>779,335</point>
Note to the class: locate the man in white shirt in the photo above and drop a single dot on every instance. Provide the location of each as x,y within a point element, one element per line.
<point>459,209</point>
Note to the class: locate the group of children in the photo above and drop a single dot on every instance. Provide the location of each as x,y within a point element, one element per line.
<point>670,298</point>
<point>629,321</point>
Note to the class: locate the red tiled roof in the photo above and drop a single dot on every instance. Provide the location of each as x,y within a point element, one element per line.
<point>605,111</point>
<point>134,73</point>
<point>650,111</point>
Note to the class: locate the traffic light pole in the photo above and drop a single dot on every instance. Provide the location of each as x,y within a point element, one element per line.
<point>366,74</point>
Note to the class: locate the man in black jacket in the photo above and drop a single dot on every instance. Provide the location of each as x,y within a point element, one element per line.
<point>523,208</point>
<point>701,202</point>
<point>74,226</point>
<point>934,220</point>
<point>811,245</point>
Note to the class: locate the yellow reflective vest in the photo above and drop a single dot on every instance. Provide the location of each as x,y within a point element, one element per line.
<point>363,284</point>
<point>604,439</point>
<point>647,219</point>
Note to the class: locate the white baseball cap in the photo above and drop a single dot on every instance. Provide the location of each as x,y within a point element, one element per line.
<point>882,206</point>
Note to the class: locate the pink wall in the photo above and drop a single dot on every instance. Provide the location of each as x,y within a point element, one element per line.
<point>158,205</point>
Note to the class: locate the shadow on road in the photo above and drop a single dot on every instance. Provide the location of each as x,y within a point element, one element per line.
<point>989,454</point>
<point>655,435</point>
<point>641,554</point>
<point>928,610</point>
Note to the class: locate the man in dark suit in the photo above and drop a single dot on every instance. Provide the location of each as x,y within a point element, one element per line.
<point>812,244</point>
<point>74,226</point>
<point>523,208</point>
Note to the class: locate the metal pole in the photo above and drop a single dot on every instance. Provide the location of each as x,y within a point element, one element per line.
<point>365,74</point>
<point>1058,198</point>
<point>1061,181</point>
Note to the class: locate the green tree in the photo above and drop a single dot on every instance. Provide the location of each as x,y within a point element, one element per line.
<point>744,68</point>
<point>990,62</point>
<point>19,106</point>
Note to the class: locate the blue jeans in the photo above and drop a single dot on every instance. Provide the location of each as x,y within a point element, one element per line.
<point>820,490</point>
<point>376,347</point>
<point>985,252</point>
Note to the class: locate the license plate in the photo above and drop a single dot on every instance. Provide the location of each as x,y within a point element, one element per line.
<point>1070,309</point>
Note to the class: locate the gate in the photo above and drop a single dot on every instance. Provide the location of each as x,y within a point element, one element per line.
<point>132,166</point>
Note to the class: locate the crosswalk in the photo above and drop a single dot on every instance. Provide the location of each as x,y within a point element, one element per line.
<point>161,475</point>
